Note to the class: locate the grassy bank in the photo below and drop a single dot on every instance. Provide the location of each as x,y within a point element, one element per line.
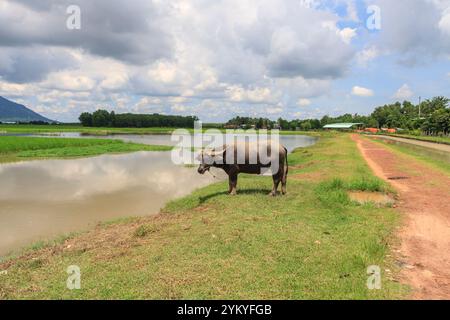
<point>441,140</point>
<point>425,158</point>
<point>36,129</point>
<point>313,243</point>
<point>16,148</point>
<point>53,129</point>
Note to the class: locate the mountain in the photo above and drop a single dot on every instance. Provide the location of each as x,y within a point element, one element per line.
<point>14,112</point>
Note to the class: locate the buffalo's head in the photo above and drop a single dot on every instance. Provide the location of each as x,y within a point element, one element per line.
<point>208,158</point>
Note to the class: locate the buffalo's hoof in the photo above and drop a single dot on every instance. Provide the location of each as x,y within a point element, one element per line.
<point>272,194</point>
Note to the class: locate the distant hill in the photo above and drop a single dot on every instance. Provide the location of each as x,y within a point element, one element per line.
<point>14,112</point>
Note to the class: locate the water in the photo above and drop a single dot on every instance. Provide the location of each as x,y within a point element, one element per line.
<point>43,199</point>
<point>290,142</point>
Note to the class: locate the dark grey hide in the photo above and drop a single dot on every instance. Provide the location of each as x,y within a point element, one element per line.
<point>249,163</point>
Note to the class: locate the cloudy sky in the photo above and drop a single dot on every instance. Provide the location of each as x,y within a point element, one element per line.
<point>222,58</point>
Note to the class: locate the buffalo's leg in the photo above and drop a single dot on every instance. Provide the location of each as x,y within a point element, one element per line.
<point>284,180</point>
<point>283,186</point>
<point>233,178</point>
<point>276,183</point>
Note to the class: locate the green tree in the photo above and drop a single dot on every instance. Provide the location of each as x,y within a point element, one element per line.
<point>86,119</point>
<point>306,125</point>
<point>101,118</point>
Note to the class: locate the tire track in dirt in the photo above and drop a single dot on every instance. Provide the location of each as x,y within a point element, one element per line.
<point>424,200</point>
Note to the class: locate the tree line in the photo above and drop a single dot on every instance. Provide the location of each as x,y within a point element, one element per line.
<point>103,118</point>
<point>431,117</point>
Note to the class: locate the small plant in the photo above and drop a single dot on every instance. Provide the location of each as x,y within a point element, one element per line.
<point>366,184</point>
<point>332,193</point>
<point>333,184</point>
<point>144,230</point>
<point>141,231</point>
<point>31,264</point>
<point>38,245</point>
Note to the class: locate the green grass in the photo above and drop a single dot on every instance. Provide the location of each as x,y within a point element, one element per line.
<point>49,129</point>
<point>25,128</point>
<point>427,159</point>
<point>16,148</point>
<point>310,244</point>
<point>441,140</point>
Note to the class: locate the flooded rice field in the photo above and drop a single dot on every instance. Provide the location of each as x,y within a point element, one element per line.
<point>290,142</point>
<point>42,199</point>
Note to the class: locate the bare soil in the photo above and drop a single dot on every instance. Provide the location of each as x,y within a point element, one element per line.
<point>378,198</point>
<point>424,200</point>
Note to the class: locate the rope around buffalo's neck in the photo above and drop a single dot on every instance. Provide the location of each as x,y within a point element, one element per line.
<point>209,171</point>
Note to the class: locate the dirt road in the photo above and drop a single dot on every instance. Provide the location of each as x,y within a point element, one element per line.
<point>424,199</point>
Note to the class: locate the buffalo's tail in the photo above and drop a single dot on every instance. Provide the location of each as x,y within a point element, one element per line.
<point>287,161</point>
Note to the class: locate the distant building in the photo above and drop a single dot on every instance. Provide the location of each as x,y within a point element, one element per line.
<point>344,126</point>
<point>372,130</point>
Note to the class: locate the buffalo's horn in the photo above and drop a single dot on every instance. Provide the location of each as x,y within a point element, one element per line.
<point>214,153</point>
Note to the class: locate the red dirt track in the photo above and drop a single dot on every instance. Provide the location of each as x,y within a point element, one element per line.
<point>424,201</point>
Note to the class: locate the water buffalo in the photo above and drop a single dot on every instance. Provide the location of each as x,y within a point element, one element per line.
<point>244,160</point>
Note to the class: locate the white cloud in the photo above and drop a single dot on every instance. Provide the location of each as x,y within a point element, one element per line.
<point>178,108</point>
<point>300,87</point>
<point>243,54</point>
<point>418,37</point>
<point>404,93</point>
<point>114,81</point>
<point>54,96</point>
<point>362,92</point>
<point>106,27</point>
<point>274,110</point>
<point>444,23</point>
<point>15,89</point>
<point>146,102</point>
<point>352,12</point>
<point>366,55</point>
<point>256,95</point>
<point>215,58</point>
<point>70,81</point>
<point>163,72</point>
<point>347,34</point>
<point>177,100</point>
<point>303,102</point>
<point>309,3</point>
